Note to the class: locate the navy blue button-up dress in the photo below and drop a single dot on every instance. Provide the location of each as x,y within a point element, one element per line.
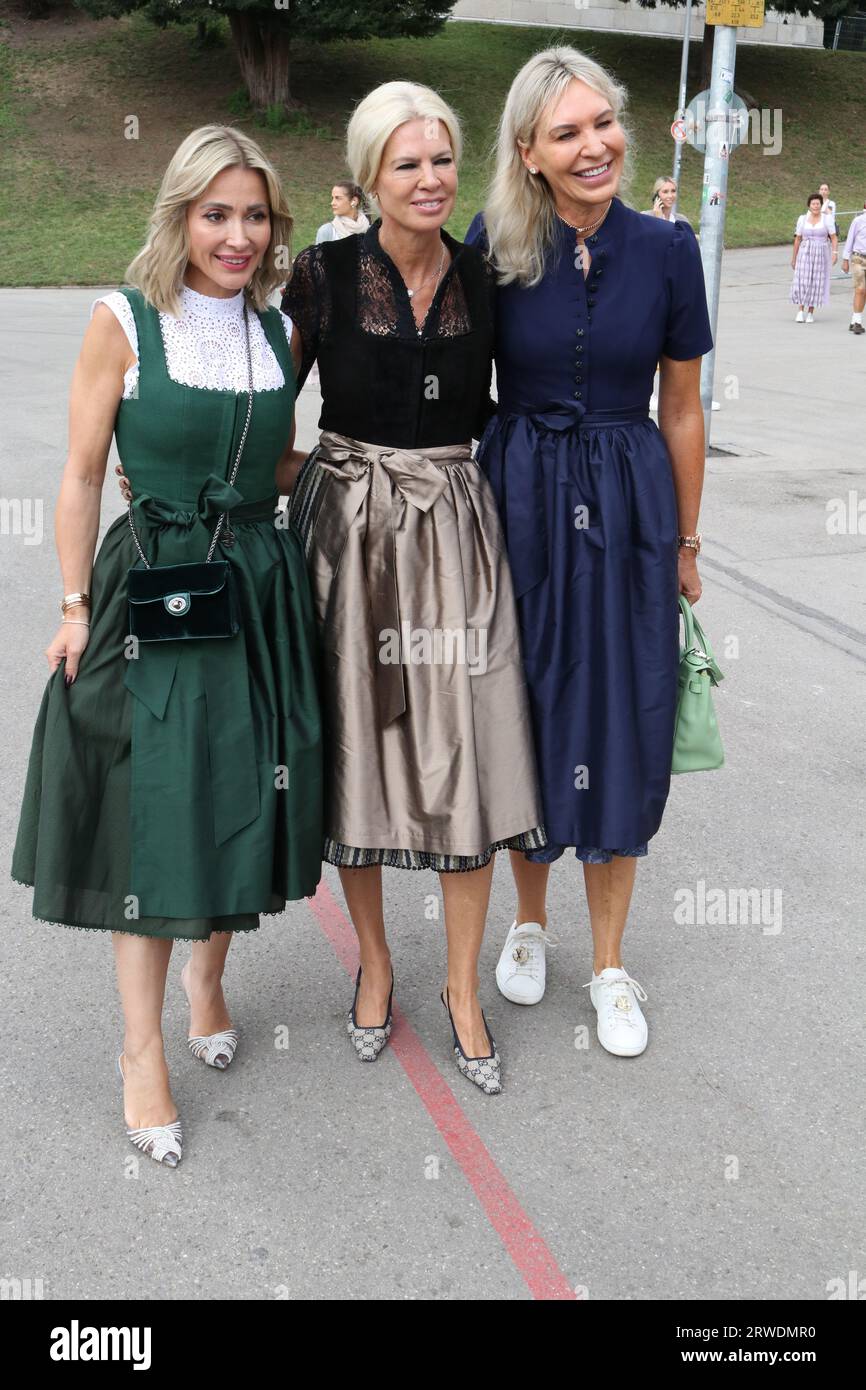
<point>584,485</point>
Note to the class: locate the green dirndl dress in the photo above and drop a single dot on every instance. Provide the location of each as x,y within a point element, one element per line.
<point>176,790</point>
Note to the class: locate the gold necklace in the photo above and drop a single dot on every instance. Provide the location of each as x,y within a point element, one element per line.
<point>590,226</point>
<point>580,246</point>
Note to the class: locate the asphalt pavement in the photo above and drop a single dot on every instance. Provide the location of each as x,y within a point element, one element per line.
<point>726,1162</point>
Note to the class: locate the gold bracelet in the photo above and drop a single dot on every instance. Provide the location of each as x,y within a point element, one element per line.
<point>76,622</point>
<point>73,600</point>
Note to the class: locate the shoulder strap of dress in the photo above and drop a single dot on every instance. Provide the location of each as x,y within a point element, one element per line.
<point>340,260</point>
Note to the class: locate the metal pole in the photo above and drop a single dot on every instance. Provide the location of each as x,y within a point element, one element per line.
<point>714,194</point>
<point>684,77</point>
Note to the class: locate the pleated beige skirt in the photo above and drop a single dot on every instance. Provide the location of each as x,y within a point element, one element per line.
<point>428,742</point>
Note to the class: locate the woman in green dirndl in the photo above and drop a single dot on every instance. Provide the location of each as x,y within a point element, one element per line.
<point>174,788</point>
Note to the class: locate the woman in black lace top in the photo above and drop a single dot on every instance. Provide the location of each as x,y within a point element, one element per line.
<point>429,750</point>
<point>355,318</point>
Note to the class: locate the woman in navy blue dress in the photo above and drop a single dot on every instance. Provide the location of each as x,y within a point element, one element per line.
<point>599,505</point>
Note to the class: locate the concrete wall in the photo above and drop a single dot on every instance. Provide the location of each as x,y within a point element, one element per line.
<point>630,18</point>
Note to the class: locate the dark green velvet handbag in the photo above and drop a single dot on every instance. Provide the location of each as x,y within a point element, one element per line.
<point>192,601</point>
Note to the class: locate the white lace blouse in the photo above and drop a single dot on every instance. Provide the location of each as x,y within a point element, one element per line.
<point>205,346</point>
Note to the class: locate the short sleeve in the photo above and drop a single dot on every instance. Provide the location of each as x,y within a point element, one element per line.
<point>122,310</point>
<point>687,333</point>
<point>798,230</point>
<point>303,303</point>
<point>477,233</point>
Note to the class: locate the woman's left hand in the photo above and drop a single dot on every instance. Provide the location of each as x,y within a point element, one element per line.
<point>124,483</point>
<point>687,572</point>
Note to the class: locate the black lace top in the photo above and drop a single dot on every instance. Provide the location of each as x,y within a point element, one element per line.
<point>383,380</point>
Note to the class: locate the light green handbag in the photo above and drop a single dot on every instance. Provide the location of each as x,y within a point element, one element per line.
<point>697,742</point>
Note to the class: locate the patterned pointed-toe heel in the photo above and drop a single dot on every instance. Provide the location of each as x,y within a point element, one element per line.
<point>217,1049</point>
<point>483,1072</point>
<point>162,1143</point>
<point>368,1042</point>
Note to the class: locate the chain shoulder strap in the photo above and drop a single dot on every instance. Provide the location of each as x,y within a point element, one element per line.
<point>237,463</point>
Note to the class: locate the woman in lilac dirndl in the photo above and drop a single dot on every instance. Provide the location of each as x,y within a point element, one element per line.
<point>812,258</point>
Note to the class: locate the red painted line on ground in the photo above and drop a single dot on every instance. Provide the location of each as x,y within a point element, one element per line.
<point>525,1247</point>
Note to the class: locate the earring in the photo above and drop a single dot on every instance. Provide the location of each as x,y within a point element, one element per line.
<point>532,169</point>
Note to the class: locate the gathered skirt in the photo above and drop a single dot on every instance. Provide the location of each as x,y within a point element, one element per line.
<point>180,793</point>
<point>428,750</point>
<point>811,280</point>
<point>589,513</point>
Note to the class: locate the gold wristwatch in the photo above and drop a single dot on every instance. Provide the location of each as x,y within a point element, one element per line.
<point>690,543</point>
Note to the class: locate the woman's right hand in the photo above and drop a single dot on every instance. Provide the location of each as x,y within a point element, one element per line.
<point>70,641</point>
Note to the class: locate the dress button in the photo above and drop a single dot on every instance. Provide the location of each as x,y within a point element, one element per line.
<point>578,395</point>
<point>580,332</point>
<point>578,380</point>
<point>591,303</point>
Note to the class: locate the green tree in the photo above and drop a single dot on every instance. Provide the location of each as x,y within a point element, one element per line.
<point>263,30</point>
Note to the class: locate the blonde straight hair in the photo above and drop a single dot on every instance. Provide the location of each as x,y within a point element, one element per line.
<point>379,114</point>
<point>661,181</point>
<point>159,267</point>
<point>519,214</point>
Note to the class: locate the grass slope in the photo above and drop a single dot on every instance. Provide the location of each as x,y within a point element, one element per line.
<point>81,191</point>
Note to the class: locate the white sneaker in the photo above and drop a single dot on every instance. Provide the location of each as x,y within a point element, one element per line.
<point>622,1028</point>
<point>521,972</point>
<point>810,318</point>
<point>801,317</point>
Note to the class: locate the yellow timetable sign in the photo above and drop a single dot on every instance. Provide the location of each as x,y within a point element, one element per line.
<point>748,13</point>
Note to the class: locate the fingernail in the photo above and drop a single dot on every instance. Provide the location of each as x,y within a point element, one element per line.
<point>67,681</point>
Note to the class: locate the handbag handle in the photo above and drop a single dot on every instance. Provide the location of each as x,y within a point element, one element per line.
<point>697,650</point>
<point>234,473</point>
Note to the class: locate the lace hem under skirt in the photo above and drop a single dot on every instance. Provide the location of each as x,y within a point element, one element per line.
<point>351,857</point>
<point>587,854</point>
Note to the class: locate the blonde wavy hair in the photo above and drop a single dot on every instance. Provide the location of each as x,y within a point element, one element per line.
<point>159,267</point>
<point>520,214</point>
<point>378,115</point>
